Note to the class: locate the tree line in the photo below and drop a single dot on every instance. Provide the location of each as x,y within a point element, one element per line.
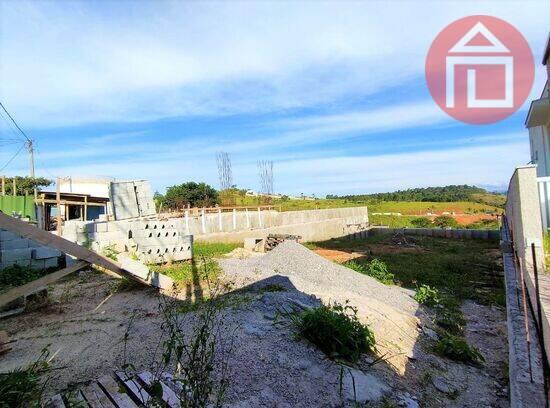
<point>438,194</point>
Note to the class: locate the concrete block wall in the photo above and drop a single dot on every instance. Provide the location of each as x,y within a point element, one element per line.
<point>312,225</point>
<point>16,250</point>
<point>493,235</point>
<point>153,241</point>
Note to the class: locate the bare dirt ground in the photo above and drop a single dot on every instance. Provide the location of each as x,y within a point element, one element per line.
<point>84,326</point>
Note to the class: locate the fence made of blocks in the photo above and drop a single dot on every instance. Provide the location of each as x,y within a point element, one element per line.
<point>152,241</point>
<point>15,250</point>
<point>456,233</point>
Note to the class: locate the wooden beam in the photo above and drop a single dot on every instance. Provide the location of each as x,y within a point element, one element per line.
<point>58,202</point>
<point>51,201</point>
<point>27,230</point>
<point>14,184</point>
<point>32,287</point>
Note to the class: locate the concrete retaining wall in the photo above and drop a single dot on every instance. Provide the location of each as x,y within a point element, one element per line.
<point>312,225</point>
<point>525,225</point>
<point>493,235</point>
<point>15,250</point>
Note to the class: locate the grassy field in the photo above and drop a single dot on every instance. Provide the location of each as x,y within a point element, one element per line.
<point>465,269</point>
<point>403,207</point>
<point>204,265</point>
<point>406,221</point>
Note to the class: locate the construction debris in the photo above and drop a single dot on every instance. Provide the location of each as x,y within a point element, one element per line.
<point>273,240</point>
<point>400,239</point>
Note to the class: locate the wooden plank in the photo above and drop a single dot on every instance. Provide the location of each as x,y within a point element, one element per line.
<point>95,396</point>
<point>116,392</point>
<point>55,402</point>
<point>168,395</point>
<point>134,387</point>
<point>31,287</point>
<point>27,230</point>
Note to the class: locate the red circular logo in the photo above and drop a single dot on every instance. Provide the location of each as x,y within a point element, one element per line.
<point>480,69</point>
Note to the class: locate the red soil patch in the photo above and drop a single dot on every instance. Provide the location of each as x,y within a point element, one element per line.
<point>337,256</point>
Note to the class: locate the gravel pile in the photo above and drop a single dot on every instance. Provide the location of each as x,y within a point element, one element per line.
<point>312,274</point>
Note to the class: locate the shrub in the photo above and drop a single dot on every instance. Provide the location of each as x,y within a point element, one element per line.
<point>376,269</point>
<point>427,295</point>
<point>445,221</point>
<point>422,222</point>
<point>22,387</point>
<point>336,330</point>
<point>452,321</point>
<point>456,348</point>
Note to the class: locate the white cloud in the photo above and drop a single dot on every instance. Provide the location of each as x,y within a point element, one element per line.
<point>71,62</point>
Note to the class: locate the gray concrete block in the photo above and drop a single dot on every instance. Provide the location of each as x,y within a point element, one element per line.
<point>37,263</point>
<point>8,236</point>
<point>45,252</point>
<point>34,244</point>
<point>51,263</point>
<point>15,244</point>
<point>15,255</point>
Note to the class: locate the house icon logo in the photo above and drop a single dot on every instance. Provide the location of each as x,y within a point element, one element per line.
<point>479,69</point>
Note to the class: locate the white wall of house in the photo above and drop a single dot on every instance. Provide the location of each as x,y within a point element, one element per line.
<point>95,187</point>
<point>539,140</point>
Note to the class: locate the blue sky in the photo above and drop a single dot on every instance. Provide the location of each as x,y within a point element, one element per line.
<point>332,92</point>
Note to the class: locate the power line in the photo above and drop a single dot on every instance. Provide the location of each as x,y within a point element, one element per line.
<point>15,123</point>
<point>28,144</point>
<point>13,157</point>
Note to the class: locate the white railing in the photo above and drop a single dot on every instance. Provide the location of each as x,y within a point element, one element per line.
<point>543,184</point>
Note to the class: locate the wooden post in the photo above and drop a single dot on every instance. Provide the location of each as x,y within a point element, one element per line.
<point>3,185</point>
<point>14,186</point>
<point>234,219</point>
<point>58,203</point>
<point>85,208</point>
<point>220,219</point>
<point>247,218</point>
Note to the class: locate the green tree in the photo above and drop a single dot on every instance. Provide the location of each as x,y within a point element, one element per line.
<point>194,194</point>
<point>26,185</point>
<point>422,222</point>
<point>445,221</point>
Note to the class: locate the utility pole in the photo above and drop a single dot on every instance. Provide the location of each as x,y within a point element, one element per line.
<point>28,143</point>
<point>30,149</point>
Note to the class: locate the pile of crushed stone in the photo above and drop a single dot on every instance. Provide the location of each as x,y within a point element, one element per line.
<point>391,311</point>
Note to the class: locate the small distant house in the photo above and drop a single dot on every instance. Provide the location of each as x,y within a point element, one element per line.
<point>90,198</point>
<point>538,123</point>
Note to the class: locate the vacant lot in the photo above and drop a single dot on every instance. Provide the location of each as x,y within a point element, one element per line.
<point>463,269</point>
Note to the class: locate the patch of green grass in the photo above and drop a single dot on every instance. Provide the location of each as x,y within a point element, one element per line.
<point>213,249</point>
<point>375,268</point>
<point>426,295</point>
<point>456,348</point>
<point>17,275</point>
<point>189,272</point>
<point>336,330</point>
<point>23,387</point>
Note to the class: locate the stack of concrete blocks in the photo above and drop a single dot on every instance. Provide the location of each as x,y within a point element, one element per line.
<point>152,241</point>
<point>15,250</point>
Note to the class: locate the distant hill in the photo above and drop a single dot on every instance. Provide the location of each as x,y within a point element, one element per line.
<point>435,194</point>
